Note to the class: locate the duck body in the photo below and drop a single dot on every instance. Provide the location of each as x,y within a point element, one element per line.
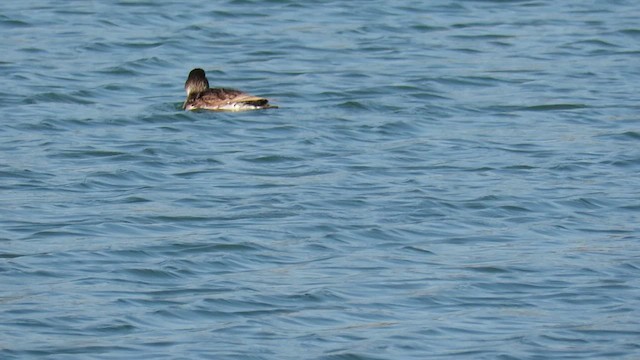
<point>201,96</point>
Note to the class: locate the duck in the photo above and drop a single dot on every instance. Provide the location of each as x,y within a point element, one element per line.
<point>201,96</point>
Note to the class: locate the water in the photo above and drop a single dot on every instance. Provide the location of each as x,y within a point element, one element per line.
<point>443,180</point>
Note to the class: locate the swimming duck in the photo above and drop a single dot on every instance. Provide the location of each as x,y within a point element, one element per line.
<point>201,96</point>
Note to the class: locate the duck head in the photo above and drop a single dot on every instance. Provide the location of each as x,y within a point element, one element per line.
<point>196,82</point>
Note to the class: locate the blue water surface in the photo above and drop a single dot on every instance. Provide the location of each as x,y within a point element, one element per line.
<point>443,180</point>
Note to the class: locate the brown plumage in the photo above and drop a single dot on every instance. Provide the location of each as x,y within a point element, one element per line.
<point>201,96</point>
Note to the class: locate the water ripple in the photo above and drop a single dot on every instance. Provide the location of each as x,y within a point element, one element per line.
<point>456,180</point>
